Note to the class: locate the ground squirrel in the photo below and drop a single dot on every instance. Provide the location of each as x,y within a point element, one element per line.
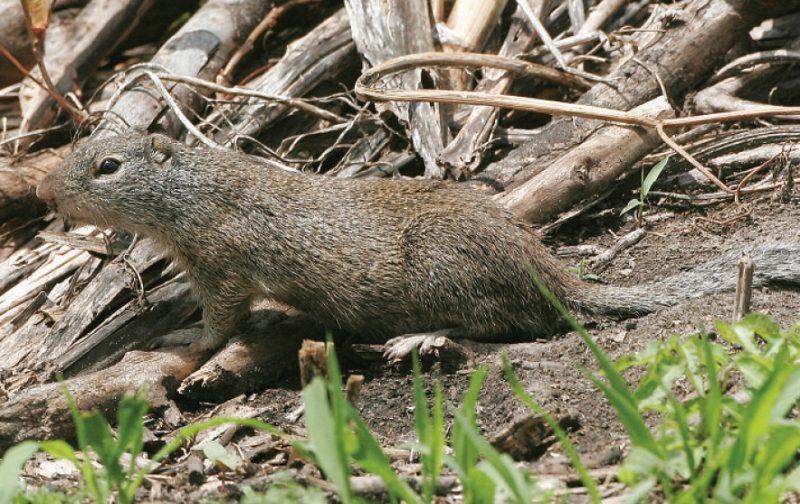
<point>376,258</point>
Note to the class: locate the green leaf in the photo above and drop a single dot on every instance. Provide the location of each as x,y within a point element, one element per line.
<point>11,466</point>
<point>219,455</point>
<point>100,438</point>
<point>370,456</point>
<point>759,413</point>
<point>62,450</point>
<point>652,176</point>
<point>632,204</point>
<point>326,438</point>
<point>482,487</point>
<point>130,424</point>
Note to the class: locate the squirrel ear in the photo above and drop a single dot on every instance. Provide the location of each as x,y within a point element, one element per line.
<point>160,148</point>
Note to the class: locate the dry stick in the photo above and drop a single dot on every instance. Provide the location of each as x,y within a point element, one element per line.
<point>697,164</point>
<point>744,287</point>
<point>750,175</point>
<point>627,241</point>
<point>599,15</point>
<point>24,71</point>
<point>240,91</point>
<point>37,47</point>
<point>268,22</point>
<point>545,37</point>
<point>363,89</point>
<point>753,59</point>
<point>179,113</point>
<point>414,61</point>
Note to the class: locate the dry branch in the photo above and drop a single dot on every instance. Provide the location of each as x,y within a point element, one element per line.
<point>70,60</point>
<point>42,412</point>
<point>246,365</point>
<point>199,49</point>
<point>585,170</point>
<point>463,154</point>
<point>681,54</point>
<point>313,58</point>
<point>386,29</point>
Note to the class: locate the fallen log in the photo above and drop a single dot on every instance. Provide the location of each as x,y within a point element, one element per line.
<point>684,52</point>
<point>42,412</point>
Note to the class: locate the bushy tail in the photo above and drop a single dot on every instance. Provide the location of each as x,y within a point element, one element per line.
<point>774,264</point>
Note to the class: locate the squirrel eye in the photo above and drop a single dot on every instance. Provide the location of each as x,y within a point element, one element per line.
<point>107,166</point>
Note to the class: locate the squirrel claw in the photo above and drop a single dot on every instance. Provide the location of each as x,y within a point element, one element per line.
<point>400,348</point>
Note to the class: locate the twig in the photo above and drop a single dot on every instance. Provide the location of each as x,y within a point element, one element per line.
<point>750,175</point>
<point>365,90</point>
<point>267,23</point>
<point>599,15</point>
<point>179,113</point>
<point>627,241</point>
<point>697,164</point>
<point>21,68</point>
<point>753,59</point>
<point>744,287</point>
<point>540,30</point>
<point>37,47</point>
<point>240,91</point>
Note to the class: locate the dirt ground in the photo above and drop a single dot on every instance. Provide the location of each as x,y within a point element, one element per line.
<point>549,370</point>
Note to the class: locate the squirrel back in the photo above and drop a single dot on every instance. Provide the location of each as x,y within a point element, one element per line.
<point>374,257</point>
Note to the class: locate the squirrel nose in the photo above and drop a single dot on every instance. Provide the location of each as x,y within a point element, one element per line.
<point>44,191</point>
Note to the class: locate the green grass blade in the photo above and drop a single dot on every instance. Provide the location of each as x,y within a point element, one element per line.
<point>618,390</point>
<point>652,176</point>
<point>96,488</point>
<point>430,432</point>
<point>572,453</point>
<point>629,416</point>
<point>464,452</point>
<point>712,403</point>
<point>11,466</point>
<point>326,437</point>
<point>687,443</point>
<point>370,456</point>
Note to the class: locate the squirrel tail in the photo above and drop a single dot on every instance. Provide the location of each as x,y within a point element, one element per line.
<point>777,263</point>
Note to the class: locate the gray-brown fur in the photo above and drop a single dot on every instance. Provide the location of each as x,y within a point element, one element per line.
<point>376,258</point>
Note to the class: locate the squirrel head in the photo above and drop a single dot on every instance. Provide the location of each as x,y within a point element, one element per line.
<point>127,182</point>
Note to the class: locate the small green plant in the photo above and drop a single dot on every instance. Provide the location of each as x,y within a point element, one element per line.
<point>338,434</point>
<point>582,272</point>
<point>708,447</point>
<point>96,440</point>
<point>647,182</point>
<point>739,450</point>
